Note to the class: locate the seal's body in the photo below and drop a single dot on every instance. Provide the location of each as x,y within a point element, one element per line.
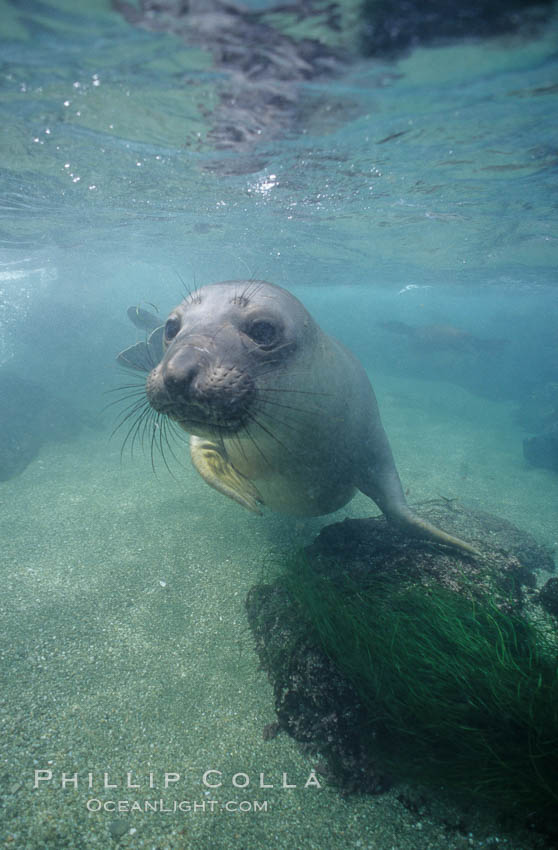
<point>280,413</point>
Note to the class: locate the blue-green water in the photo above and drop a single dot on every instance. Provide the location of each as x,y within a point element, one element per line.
<point>421,191</point>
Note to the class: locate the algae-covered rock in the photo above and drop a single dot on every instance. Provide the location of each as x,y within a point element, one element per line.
<point>315,703</point>
<point>393,657</point>
<point>508,558</point>
<point>548,596</point>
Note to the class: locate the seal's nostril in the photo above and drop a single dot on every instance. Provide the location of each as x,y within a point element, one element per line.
<point>181,369</point>
<point>179,380</point>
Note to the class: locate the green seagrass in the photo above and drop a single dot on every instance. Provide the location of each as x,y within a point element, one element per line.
<point>459,693</point>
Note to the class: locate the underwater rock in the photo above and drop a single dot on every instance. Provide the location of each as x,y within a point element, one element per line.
<point>511,556</point>
<point>445,337</point>
<point>542,450</point>
<point>30,417</point>
<point>391,27</point>
<point>314,702</point>
<point>548,596</point>
<point>317,702</point>
<point>539,410</point>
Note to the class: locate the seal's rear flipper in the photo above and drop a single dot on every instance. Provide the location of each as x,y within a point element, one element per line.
<point>381,483</point>
<point>417,527</point>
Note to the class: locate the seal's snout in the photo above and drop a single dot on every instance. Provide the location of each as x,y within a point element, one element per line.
<point>169,384</point>
<point>195,388</point>
<point>180,372</point>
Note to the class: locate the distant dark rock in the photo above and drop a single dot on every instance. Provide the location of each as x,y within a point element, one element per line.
<point>539,409</point>
<point>542,450</point>
<point>392,27</point>
<point>29,417</point>
<point>446,337</point>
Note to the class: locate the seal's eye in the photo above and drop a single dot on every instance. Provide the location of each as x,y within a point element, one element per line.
<point>263,332</point>
<point>172,327</point>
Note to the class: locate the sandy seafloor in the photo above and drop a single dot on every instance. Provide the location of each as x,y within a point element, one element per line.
<point>128,647</point>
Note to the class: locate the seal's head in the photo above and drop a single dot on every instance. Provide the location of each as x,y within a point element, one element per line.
<point>221,345</point>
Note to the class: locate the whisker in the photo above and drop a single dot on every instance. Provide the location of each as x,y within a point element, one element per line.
<point>236,437</point>
<point>145,426</point>
<point>162,449</point>
<point>138,386</point>
<point>296,426</point>
<point>138,397</point>
<point>251,289</point>
<point>256,446</point>
<point>142,422</point>
<point>306,411</point>
<point>136,390</point>
<point>129,412</point>
<point>164,440</point>
<point>298,455</point>
<point>186,291</point>
<point>270,368</point>
<point>127,391</point>
<point>169,428</point>
<point>189,293</point>
<point>148,422</point>
<point>271,434</point>
<point>284,390</point>
<point>132,431</point>
<point>153,443</point>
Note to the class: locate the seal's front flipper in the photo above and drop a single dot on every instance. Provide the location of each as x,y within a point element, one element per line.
<point>136,357</point>
<point>215,468</point>
<point>144,356</point>
<point>143,319</point>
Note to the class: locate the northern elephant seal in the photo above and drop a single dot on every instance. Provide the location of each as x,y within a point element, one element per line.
<point>280,414</point>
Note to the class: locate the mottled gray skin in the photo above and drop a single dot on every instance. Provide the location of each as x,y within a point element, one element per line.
<point>281,413</point>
